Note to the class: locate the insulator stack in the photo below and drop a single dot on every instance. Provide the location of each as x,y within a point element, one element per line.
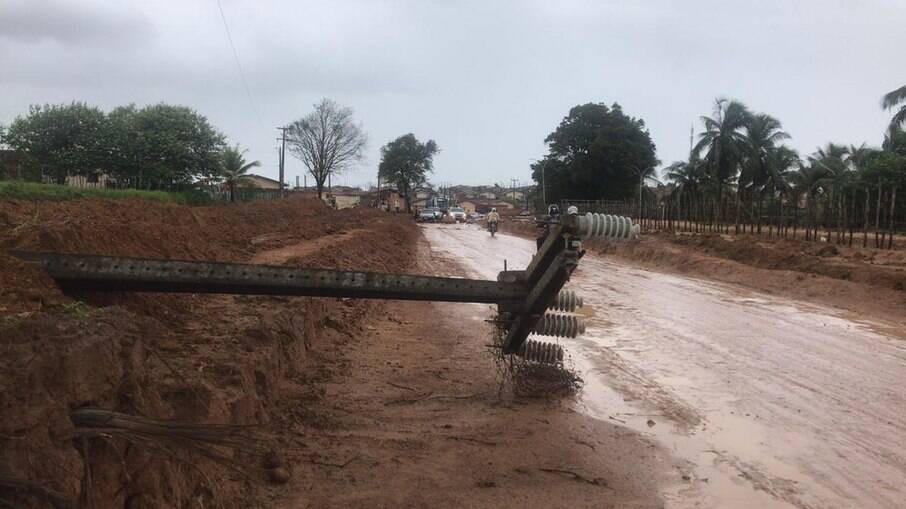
<point>541,352</point>
<point>564,326</point>
<point>593,225</point>
<point>567,301</point>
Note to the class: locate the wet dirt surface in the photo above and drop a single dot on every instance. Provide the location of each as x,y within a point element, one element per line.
<point>417,418</point>
<point>770,402</point>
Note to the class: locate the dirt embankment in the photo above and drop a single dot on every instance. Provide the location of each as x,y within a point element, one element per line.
<point>855,279</point>
<point>201,359</point>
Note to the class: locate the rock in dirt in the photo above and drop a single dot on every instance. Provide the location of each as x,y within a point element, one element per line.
<point>279,475</point>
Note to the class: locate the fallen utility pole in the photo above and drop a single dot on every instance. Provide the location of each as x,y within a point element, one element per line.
<point>114,273</point>
<point>523,297</point>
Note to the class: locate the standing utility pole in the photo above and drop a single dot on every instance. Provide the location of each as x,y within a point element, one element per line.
<point>282,156</point>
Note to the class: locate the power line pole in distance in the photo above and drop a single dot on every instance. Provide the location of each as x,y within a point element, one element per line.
<point>282,157</point>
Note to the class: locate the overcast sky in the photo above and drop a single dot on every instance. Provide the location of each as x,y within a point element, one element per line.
<point>488,80</point>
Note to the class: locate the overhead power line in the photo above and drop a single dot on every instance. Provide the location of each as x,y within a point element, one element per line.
<point>245,83</point>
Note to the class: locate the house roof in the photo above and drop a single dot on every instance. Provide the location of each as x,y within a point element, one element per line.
<point>260,177</point>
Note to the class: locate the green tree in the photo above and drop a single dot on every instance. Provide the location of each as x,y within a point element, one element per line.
<point>895,140</point>
<point>893,99</point>
<point>165,146</point>
<point>688,176</point>
<point>233,167</point>
<point>406,162</point>
<point>125,164</point>
<point>724,142</point>
<point>57,141</point>
<point>597,152</point>
<point>762,135</point>
<point>806,181</point>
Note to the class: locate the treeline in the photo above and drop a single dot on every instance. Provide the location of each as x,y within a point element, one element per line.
<point>741,175</point>
<point>160,147</point>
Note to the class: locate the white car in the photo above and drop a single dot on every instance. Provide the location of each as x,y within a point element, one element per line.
<point>458,214</point>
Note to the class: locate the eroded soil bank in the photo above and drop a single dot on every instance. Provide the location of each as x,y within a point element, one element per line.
<point>253,363</point>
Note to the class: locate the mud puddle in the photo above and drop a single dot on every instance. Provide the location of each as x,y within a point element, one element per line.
<point>770,402</point>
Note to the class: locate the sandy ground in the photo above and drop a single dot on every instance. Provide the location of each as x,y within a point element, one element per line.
<point>417,420</point>
<point>769,402</point>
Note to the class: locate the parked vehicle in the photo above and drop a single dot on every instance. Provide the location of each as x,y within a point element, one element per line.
<point>458,214</point>
<point>427,215</point>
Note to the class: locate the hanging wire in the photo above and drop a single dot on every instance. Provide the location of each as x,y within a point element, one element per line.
<point>245,84</point>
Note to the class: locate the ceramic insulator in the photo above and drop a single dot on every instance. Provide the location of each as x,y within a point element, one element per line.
<point>564,326</point>
<point>541,352</point>
<point>593,225</point>
<point>567,301</point>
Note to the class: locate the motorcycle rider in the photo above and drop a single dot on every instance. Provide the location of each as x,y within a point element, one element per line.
<point>493,218</point>
<point>552,217</point>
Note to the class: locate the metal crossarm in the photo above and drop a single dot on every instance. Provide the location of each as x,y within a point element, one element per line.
<point>110,273</point>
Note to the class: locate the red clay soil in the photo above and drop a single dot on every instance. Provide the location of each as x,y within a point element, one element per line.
<point>209,359</point>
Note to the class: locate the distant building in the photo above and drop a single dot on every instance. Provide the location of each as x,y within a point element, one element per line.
<point>95,179</point>
<point>484,206</point>
<point>468,206</point>
<point>389,199</point>
<point>422,193</point>
<point>258,182</point>
<point>346,197</point>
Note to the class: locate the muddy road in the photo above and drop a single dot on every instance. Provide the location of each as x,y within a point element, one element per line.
<point>769,402</point>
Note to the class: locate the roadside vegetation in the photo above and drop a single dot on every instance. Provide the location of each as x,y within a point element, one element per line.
<point>19,190</point>
<point>741,176</point>
<point>161,147</point>
<point>741,173</point>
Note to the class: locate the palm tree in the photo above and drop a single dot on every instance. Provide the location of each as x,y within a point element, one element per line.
<point>780,163</point>
<point>891,100</point>
<point>687,175</point>
<point>895,140</point>
<point>832,159</point>
<point>763,133</point>
<point>233,167</point>
<point>690,178</point>
<point>806,182</point>
<point>723,141</point>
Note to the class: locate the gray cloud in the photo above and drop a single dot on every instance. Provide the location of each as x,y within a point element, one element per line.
<point>487,80</point>
<point>71,22</point>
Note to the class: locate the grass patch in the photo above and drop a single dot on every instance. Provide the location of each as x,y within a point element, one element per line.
<point>18,190</point>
